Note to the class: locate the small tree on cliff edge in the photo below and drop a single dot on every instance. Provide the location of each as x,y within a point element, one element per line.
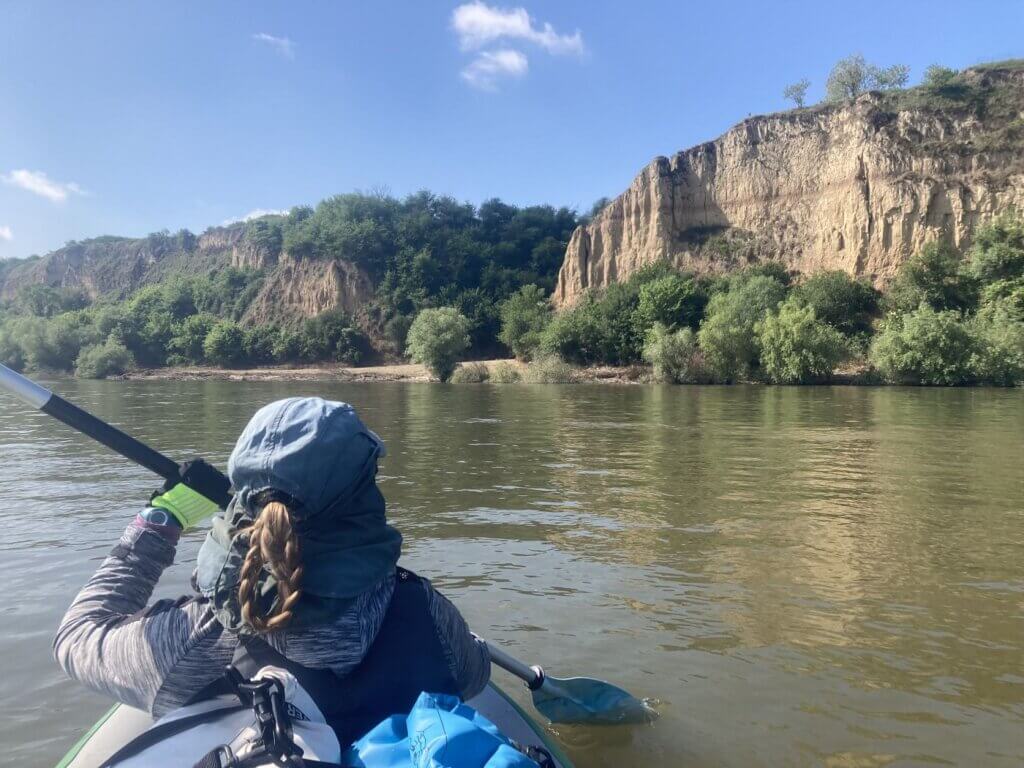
<point>851,76</point>
<point>797,92</point>
<point>437,338</point>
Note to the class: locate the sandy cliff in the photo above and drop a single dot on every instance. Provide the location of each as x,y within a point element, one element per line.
<point>858,187</point>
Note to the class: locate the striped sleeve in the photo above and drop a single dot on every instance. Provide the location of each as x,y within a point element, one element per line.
<point>468,659</point>
<point>152,657</point>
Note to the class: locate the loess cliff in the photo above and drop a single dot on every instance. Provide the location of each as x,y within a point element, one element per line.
<point>116,267</point>
<point>858,186</point>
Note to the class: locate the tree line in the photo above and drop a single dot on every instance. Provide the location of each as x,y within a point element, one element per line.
<point>456,282</point>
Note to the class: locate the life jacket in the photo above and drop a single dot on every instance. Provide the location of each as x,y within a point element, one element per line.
<point>404,660</point>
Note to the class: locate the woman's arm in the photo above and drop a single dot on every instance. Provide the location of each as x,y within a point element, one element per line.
<point>468,659</point>
<point>150,657</point>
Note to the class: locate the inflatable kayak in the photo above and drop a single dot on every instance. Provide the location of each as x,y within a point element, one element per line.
<point>121,724</point>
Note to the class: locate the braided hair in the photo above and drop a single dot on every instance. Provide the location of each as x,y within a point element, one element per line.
<point>274,545</point>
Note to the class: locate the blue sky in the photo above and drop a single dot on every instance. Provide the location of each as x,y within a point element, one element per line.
<point>128,117</point>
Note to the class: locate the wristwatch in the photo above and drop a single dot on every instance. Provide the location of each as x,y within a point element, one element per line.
<point>157,516</point>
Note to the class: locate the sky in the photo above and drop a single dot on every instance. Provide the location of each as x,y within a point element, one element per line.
<point>131,117</point>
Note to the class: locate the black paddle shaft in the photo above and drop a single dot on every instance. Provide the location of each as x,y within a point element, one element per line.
<point>112,437</point>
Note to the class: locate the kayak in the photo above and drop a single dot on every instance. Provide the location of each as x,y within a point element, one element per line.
<point>121,724</point>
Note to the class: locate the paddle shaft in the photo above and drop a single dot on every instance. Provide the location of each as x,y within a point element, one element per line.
<point>54,405</point>
<point>532,676</point>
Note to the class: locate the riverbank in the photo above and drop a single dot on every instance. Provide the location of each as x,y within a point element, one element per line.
<point>410,372</point>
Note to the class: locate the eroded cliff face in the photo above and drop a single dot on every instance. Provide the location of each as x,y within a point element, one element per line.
<point>301,288</point>
<point>857,187</point>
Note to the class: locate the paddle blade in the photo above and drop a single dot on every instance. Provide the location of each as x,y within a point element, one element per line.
<point>586,700</point>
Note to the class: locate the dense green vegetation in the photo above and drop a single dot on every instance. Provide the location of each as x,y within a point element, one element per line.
<point>422,252</point>
<point>454,282</point>
<point>946,320</point>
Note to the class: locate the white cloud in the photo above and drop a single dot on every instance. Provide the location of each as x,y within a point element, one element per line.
<point>282,45</point>
<point>40,184</point>
<point>6,234</point>
<point>485,70</point>
<point>256,214</point>
<point>478,24</point>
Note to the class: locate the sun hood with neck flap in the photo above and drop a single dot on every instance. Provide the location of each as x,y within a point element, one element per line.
<point>321,455</point>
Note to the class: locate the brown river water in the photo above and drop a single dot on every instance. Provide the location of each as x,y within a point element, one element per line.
<point>799,576</point>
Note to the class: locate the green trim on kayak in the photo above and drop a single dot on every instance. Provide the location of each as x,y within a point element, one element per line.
<point>73,752</point>
<point>540,730</point>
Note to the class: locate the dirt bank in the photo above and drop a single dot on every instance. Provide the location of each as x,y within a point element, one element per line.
<point>404,372</point>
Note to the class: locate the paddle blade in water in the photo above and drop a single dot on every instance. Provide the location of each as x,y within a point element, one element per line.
<point>586,700</point>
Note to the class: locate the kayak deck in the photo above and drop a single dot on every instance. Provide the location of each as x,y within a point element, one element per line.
<point>121,724</point>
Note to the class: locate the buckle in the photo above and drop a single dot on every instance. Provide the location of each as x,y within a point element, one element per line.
<point>266,698</point>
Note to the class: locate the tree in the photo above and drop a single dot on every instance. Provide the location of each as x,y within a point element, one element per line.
<point>932,276</point>
<point>731,347</point>
<point>937,77</point>
<point>925,346</point>
<point>524,316</point>
<point>225,344</point>
<point>187,344</point>
<point>890,78</point>
<point>851,76</point>
<point>998,250</point>
<point>330,336</point>
<point>437,338</point>
<point>674,300</point>
<point>797,347</point>
<point>998,332</point>
<point>674,355</point>
<point>797,92</point>
<point>837,299</point>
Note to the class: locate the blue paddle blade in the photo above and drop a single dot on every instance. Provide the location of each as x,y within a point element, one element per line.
<point>586,700</point>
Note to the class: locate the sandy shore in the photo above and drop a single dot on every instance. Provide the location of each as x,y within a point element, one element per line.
<point>397,372</point>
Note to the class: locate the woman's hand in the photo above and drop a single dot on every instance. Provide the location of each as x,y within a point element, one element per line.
<point>188,500</point>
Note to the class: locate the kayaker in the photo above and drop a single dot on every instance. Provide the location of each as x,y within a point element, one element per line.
<point>302,566</point>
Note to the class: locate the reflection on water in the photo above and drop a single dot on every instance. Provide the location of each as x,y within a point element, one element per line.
<point>801,576</point>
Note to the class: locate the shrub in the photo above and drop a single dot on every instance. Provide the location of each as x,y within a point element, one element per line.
<point>675,301</point>
<point>924,347</point>
<point>797,348</point>
<point>1009,291</point>
<point>225,344</point>
<point>601,329</point>
<point>258,344</point>
<point>330,336</point>
<point>186,346</point>
<point>731,347</point>
<point>998,332</point>
<point>933,276</point>
<point>549,369</point>
<point>524,316</point>
<point>797,92</point>
<point>397,329</point>
<point>470,373</point>
<point>11,353</point>
<point>505,373</point>
<point>998,250</point>
<point>674,355</point>
<point>101,360</point>
<point>837,299</point>
<point>286,346</point>
<point>437,338</point>
<point>937,77</point>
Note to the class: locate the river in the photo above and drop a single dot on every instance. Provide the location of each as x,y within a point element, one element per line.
<point>799,576</point>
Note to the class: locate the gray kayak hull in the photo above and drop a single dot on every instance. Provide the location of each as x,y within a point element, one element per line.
<point>121,724</point>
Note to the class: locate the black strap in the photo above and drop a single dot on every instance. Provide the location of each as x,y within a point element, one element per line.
<point>165,730</point>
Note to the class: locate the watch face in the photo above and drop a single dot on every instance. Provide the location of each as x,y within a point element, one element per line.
<point>156,516</point>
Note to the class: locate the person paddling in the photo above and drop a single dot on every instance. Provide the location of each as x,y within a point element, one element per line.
<point>299,572</point>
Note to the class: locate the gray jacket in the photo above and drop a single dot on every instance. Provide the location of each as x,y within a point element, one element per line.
<point>157,656</point>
